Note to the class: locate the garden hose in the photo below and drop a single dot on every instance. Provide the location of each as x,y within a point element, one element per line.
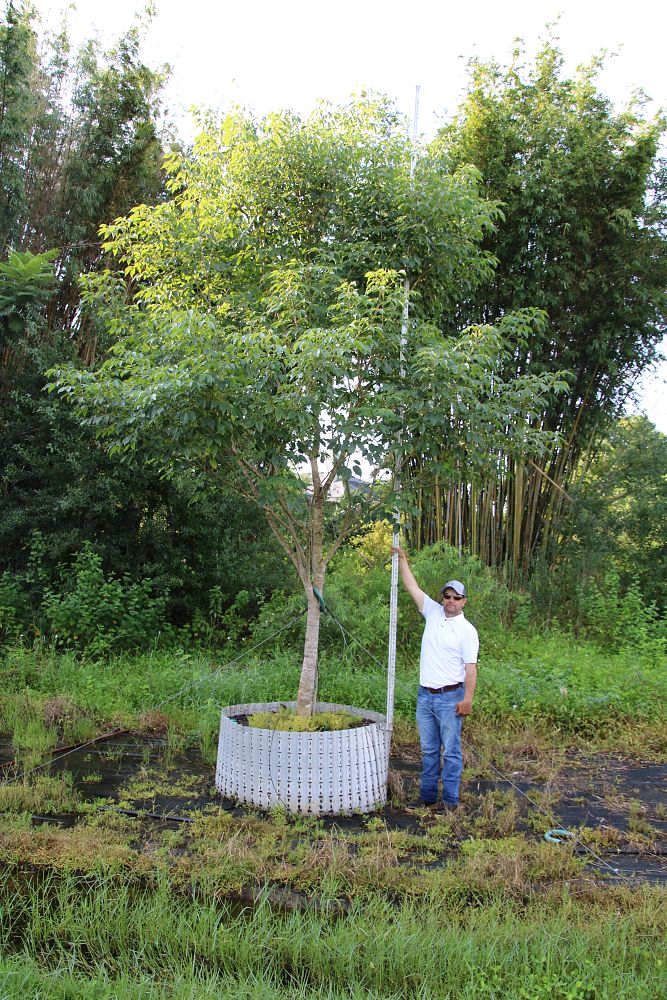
<point>555,836</point>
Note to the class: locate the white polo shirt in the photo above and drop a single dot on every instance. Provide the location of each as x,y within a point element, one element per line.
<point>447,645</point>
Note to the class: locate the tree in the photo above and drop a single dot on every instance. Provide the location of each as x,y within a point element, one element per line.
<point>582,237</point>
<point>264,333</point>
<point>81,142</point>
<point>618,510</point>
<point>57,481</point>
<point>17,61</point>
<point>26,283</point>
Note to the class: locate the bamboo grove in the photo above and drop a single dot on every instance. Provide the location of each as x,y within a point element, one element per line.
<point>581,236</point>
<point>81,141</point>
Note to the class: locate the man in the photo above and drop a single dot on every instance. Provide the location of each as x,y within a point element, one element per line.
<point>447,679</point>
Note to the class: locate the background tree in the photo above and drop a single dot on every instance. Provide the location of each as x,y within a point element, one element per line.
<point>618,511</point>
<point>81,141</point>
<point>582,236</point>
<point>18,58</point>
<point>263,338</point>
<point>26,283</point>
<point>56,482</point>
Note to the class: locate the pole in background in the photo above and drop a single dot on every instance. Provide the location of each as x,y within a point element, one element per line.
<point>393,593</point>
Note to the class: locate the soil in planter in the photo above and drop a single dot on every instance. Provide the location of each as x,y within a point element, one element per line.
<point>286,720</point>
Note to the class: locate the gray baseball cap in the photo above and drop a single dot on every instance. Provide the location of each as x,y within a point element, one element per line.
<point>456,586</point>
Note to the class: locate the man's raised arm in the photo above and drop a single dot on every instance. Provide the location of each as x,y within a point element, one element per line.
<point>407,578</point>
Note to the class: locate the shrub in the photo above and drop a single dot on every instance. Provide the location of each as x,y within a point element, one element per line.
<point>615,618</point>
<point>102,614</point>
<point>357,596</point>
<point>14,610</point>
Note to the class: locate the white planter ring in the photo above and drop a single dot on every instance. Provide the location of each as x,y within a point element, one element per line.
<point>332,773</point>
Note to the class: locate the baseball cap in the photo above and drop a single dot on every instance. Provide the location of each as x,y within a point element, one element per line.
<point>456,586</point>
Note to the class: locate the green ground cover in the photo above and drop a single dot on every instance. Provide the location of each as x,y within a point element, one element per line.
<point>468,906</point>
<point>106,935</point>
<point>552,679</point>
<point>475,905</point>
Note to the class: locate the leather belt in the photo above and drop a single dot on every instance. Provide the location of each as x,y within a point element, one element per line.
<point>447,687</point>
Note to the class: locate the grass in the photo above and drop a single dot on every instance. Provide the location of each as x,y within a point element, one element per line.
<point>551,681</point>
<point>101,935</point>
<point>483,848</point>
<point>471,905</point>
<point>43,794</point>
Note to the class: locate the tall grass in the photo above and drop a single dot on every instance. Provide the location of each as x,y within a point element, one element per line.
<point>526,672</point>
<point>457,933</point>
<point>551,679</point>
<point>103,931</point>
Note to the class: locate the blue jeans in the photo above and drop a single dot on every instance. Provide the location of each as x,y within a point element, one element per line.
<point>440,727</point>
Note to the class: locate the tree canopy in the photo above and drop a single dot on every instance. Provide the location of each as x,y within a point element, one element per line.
<point>618,509</point>
<point>264,333</point>
<point>255,293</point>
<point>81,142</point>
<point>581,236</point>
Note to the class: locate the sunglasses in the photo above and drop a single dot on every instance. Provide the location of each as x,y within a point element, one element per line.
<point>453,597</point>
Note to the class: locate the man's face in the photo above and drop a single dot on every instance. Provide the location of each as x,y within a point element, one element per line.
<point>453,603</point>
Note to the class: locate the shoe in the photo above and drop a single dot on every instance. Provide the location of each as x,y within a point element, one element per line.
<point>446,807</point>
<point>420,804</point>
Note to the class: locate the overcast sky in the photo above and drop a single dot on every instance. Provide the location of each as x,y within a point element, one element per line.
<point>273,54</point>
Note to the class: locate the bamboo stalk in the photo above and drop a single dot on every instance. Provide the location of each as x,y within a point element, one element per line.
<point>474,521</point>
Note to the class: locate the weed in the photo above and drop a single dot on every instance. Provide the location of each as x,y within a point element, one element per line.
<point>33,736</point>
<point>498,814</point>
<point>153,721</point>
<point>515,863</point>
<point>148,783</point>
<point>106,818</point>
<point>172,839</point>
<point>637,822</point>
<point>396,791</point>
<point>601,838</point>
<point>173,747</point>
<point>92,778</point>
<point>42,794</point>
<point>208,745</point>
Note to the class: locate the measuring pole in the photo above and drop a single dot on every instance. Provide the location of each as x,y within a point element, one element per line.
<point>393,593</point>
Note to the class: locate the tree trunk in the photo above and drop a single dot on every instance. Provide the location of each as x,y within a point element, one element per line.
<point>307,695</point>
<point>473,541</point>
<point>515,561</point>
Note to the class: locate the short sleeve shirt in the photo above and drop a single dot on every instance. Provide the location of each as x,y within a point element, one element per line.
<point>447,645</point>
